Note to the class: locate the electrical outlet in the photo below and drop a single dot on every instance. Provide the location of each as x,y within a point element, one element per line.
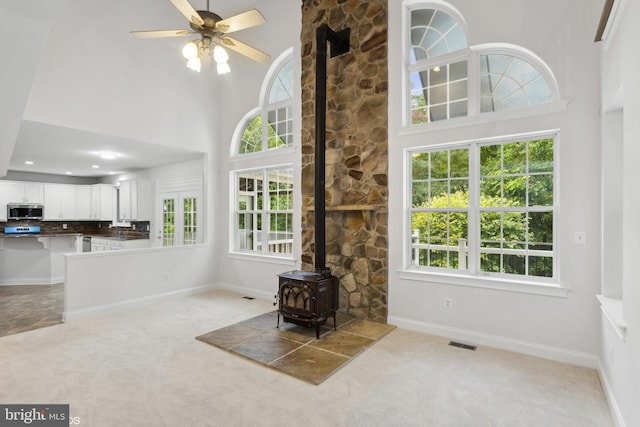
<point>64,226</point>
<point>580,237</point>
<point>448,303</point>
<point>611,355</point>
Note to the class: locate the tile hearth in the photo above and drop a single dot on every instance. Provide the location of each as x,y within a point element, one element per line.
<point>293,349</point>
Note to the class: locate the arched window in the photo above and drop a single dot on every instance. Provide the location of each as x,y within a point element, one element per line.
<point>508,82</point>
<point>434,33</point>
<point>440,66</point>
<point>271,125</point>
<point>438,77</point>
<point>483,208</point>
<point>262,184</point>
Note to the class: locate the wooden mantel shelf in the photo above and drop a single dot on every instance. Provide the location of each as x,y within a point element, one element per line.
<point>345,208</point>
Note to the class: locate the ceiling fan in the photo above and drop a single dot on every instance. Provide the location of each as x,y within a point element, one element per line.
<point>213,39</point>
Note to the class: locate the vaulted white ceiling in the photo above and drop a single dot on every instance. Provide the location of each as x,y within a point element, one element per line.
<point>77,83</point>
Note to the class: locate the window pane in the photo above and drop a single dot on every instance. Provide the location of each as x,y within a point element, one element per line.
<point>541,155</point>
<point>514,240</point>
<point>440,229</point>
<point>279,127</point>
<point>541,190</point>
<point>252,137</point>
<point>507,82</point>
<point>434,32</point>
<point>168,222</point>
<point>439,93</point>
<point>282,86</point>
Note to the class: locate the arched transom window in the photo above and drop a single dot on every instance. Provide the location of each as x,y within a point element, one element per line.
<point>441,67</point>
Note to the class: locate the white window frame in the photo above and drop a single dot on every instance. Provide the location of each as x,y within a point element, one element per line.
<point>472,55</point>
<point>473,276</point>
<point>264,160</point>
<point>265,212</point>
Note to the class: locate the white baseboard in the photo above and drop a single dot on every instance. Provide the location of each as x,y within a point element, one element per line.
<point>250,292</point>
<point>32,281</point>
<point>70,316</point>
<point>477,338</point>
<point>618,419</point>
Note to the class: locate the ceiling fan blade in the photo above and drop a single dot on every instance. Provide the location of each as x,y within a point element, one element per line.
<point>189,12</point>
<point>251,18</point>
<point>157,34</point>
<point>245,49</point>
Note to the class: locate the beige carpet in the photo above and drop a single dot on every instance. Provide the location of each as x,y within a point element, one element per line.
<point>294,349</point>
<point>141,366</point>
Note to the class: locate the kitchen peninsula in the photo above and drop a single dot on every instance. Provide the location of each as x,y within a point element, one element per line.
<point>34,254</point>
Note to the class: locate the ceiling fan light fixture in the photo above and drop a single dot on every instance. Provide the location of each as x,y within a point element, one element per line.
<point>221,57</point>
<point>190,50</point>
<point>223,68</point>
<point>194,64</point>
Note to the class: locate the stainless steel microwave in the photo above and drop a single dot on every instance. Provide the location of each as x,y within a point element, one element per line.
<point>17,211</point>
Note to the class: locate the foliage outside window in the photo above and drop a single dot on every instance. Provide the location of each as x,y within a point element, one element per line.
<point>272,128</point>
<point>264,211</point>
<point>168,222</point>
<point>498,220</point>
<point>190,226</point>
<point>441,65</point>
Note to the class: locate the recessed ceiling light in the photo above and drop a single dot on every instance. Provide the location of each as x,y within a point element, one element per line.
<point>28,162</point>
<point>68,173</point>
<point>95,166</point>
<point>108,155</point>
<point>112,173</point>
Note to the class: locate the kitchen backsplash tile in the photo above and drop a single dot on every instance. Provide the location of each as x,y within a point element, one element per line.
<point>137,229</point>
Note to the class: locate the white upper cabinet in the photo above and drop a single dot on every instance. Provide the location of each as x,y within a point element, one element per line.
<point>136,200</point>
<point>60,202</point>
<point>83,202</point>
<point>24,192</point>
<point>102,202</point>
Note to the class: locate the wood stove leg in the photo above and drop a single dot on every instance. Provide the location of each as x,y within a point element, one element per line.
<point>278,324</point>
<point>335,324</point>
<point>317,330</point>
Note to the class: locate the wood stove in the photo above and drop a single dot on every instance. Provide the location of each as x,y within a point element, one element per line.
<point>310,297</point>
<point>307,298</point>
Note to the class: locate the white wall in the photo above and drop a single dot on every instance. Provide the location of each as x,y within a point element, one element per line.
<point>27,21</point>
<point>621,89</point>
<point>255,275</point>
<point>104,281</point>
<point>561,33</point>
<point>95,76</point>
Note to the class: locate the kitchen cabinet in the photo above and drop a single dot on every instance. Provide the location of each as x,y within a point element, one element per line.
<point>102,202</point>
<point>104,244</point>
<point>3,202</point>
<point>60,202</point>
<point>83,202</point>
<point>24,192</point>
<point>136,200</point>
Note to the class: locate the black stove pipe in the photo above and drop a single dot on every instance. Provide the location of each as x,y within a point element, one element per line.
<point>339,45</point>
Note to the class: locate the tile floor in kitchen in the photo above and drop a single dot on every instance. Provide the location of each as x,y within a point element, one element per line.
<point>27,307</point>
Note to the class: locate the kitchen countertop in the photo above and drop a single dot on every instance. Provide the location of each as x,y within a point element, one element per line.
<point>11,236</point>
<point>112,237</point>
<point>101,236</point>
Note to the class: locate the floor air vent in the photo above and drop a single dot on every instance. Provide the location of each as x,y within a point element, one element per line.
<point>465,346</point>
<point>249,298</point>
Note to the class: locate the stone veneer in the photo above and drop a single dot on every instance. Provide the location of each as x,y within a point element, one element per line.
<point>356,157</point>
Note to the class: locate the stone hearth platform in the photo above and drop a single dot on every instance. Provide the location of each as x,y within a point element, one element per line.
<point>293,349</point>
